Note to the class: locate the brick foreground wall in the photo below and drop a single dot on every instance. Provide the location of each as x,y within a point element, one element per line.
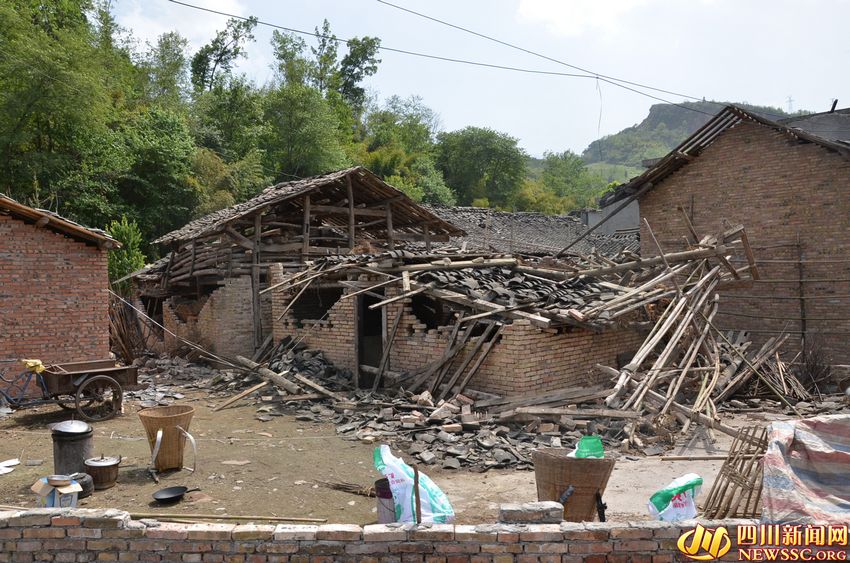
<point>225,323</point>
<point>82,535</point>
<point>54,299</point>
<point>778,189</point>
<point>526,359</point>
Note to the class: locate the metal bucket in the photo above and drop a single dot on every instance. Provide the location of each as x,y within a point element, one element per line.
<point>72,445</point>
<point>384,498</point>
<point>554,473</point>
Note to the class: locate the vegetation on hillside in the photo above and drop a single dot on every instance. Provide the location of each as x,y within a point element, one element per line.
<point>664,128</point>
<point>99,128</point>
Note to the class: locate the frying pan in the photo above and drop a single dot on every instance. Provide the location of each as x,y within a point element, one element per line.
<point>172,494</point>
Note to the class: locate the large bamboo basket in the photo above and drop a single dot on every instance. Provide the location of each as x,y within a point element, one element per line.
<point>167,419</point>
<point>555,472</point>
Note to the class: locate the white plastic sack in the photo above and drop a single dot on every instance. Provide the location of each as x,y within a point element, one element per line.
<point>434,502</point>
<point>676,501</point>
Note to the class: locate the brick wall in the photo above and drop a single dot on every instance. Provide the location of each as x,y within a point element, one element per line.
<point>224,325</point>
<point>526,359</point>
<point>109,535</point>
<point>54,300</point>
<point>778,189</point>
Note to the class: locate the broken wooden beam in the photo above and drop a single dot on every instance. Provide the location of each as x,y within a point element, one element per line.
<point>269,375</point>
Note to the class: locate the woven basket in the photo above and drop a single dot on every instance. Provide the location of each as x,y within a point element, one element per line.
<point>167,419</point>
<point>555,472</point>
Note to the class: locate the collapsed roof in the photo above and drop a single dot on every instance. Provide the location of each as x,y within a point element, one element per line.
<point>529,232</point>
<point>369,191</point>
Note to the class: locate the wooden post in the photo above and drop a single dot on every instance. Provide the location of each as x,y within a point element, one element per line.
<point>356,332</point>
<point>305,228</point>
<point>427,231</point>
<point>800,274</point>
<point>350,189</point>
<point>390,242</point>
<point>255,284</point>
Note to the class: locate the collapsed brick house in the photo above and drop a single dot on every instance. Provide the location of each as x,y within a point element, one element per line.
<point>789,181</point>
<point>227,284</point>
<point>54,287</point>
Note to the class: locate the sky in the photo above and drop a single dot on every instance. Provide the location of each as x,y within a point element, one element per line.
<point>754,51</point>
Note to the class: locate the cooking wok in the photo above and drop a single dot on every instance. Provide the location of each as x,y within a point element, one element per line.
<point>172,494</point>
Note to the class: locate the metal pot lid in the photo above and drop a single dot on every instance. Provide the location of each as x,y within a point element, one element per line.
<point>71,427</point>
<point>103,461</point>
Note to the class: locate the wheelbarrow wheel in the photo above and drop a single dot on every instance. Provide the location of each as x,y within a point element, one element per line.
<point>66,402</point>
<point>99,398</point>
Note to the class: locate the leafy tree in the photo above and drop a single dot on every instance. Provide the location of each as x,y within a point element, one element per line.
<point>218,55</point>
<point>228,119</point>
<point>55,108</point>
<point>324,72</point>
<point>360,61</point>
<point>156,185</point>
<point>481,163</point>
<point>300,136</point>
<point>166,68</point>
<point>292,66</point>
<point>129,257</point>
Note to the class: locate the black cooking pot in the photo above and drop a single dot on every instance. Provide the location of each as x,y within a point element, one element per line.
<point>172,494</point>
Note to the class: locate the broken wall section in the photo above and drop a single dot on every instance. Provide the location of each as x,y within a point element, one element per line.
<point>526,358</point>
<point>222,322</point>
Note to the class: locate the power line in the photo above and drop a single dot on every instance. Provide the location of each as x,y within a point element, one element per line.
<point>385,48</point>
<point>448,59</point>
<point>606,78</point>
<point>535,53</point>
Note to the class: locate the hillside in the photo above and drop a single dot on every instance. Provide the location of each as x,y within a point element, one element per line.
<point>666,126</point>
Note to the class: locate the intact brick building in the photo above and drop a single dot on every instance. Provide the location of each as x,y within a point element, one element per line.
<point>54,287</point>
<point>788,182</point>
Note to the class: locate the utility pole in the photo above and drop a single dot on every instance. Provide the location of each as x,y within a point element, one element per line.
<point>790,101</point>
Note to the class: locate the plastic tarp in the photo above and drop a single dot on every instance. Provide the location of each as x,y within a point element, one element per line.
<point>807,471</point>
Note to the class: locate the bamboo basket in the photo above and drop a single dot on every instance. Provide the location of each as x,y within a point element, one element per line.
<point>167,419</point>
<point>554,472</point>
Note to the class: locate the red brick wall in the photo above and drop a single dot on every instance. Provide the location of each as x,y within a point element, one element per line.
<point>526,359</point>
<point>54,296</point>
<point>778,189</point>
<point>225,323</point>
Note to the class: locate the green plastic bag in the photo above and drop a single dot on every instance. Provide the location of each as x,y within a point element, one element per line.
<point>589,446</point>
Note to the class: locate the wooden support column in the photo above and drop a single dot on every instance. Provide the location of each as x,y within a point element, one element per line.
<point>350,189</point>
<point>356,343</point>
<point>390,239</point>
<point>802,295</point>
<point>255,284</point>
<point>305,228</point>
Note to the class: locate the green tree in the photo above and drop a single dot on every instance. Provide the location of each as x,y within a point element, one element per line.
<point>292,66</point>
<point>129,257</point>
<point>481,163</point>
<point>166,70</point>
<point>324,72</point>
<point>360,61</point>
<point>215,59</point>
<point>300,136</point>
<point>156,185</point>
<point>228,119</point>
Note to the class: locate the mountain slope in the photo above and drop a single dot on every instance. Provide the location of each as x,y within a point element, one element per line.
<point>664,128</point>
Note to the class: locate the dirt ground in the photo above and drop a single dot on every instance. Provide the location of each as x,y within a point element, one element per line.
<point>285,456</point>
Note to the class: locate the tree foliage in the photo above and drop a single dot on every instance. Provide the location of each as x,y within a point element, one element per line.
<point>98,127</point>
<point>481,163</point>
<point>129,257</point>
